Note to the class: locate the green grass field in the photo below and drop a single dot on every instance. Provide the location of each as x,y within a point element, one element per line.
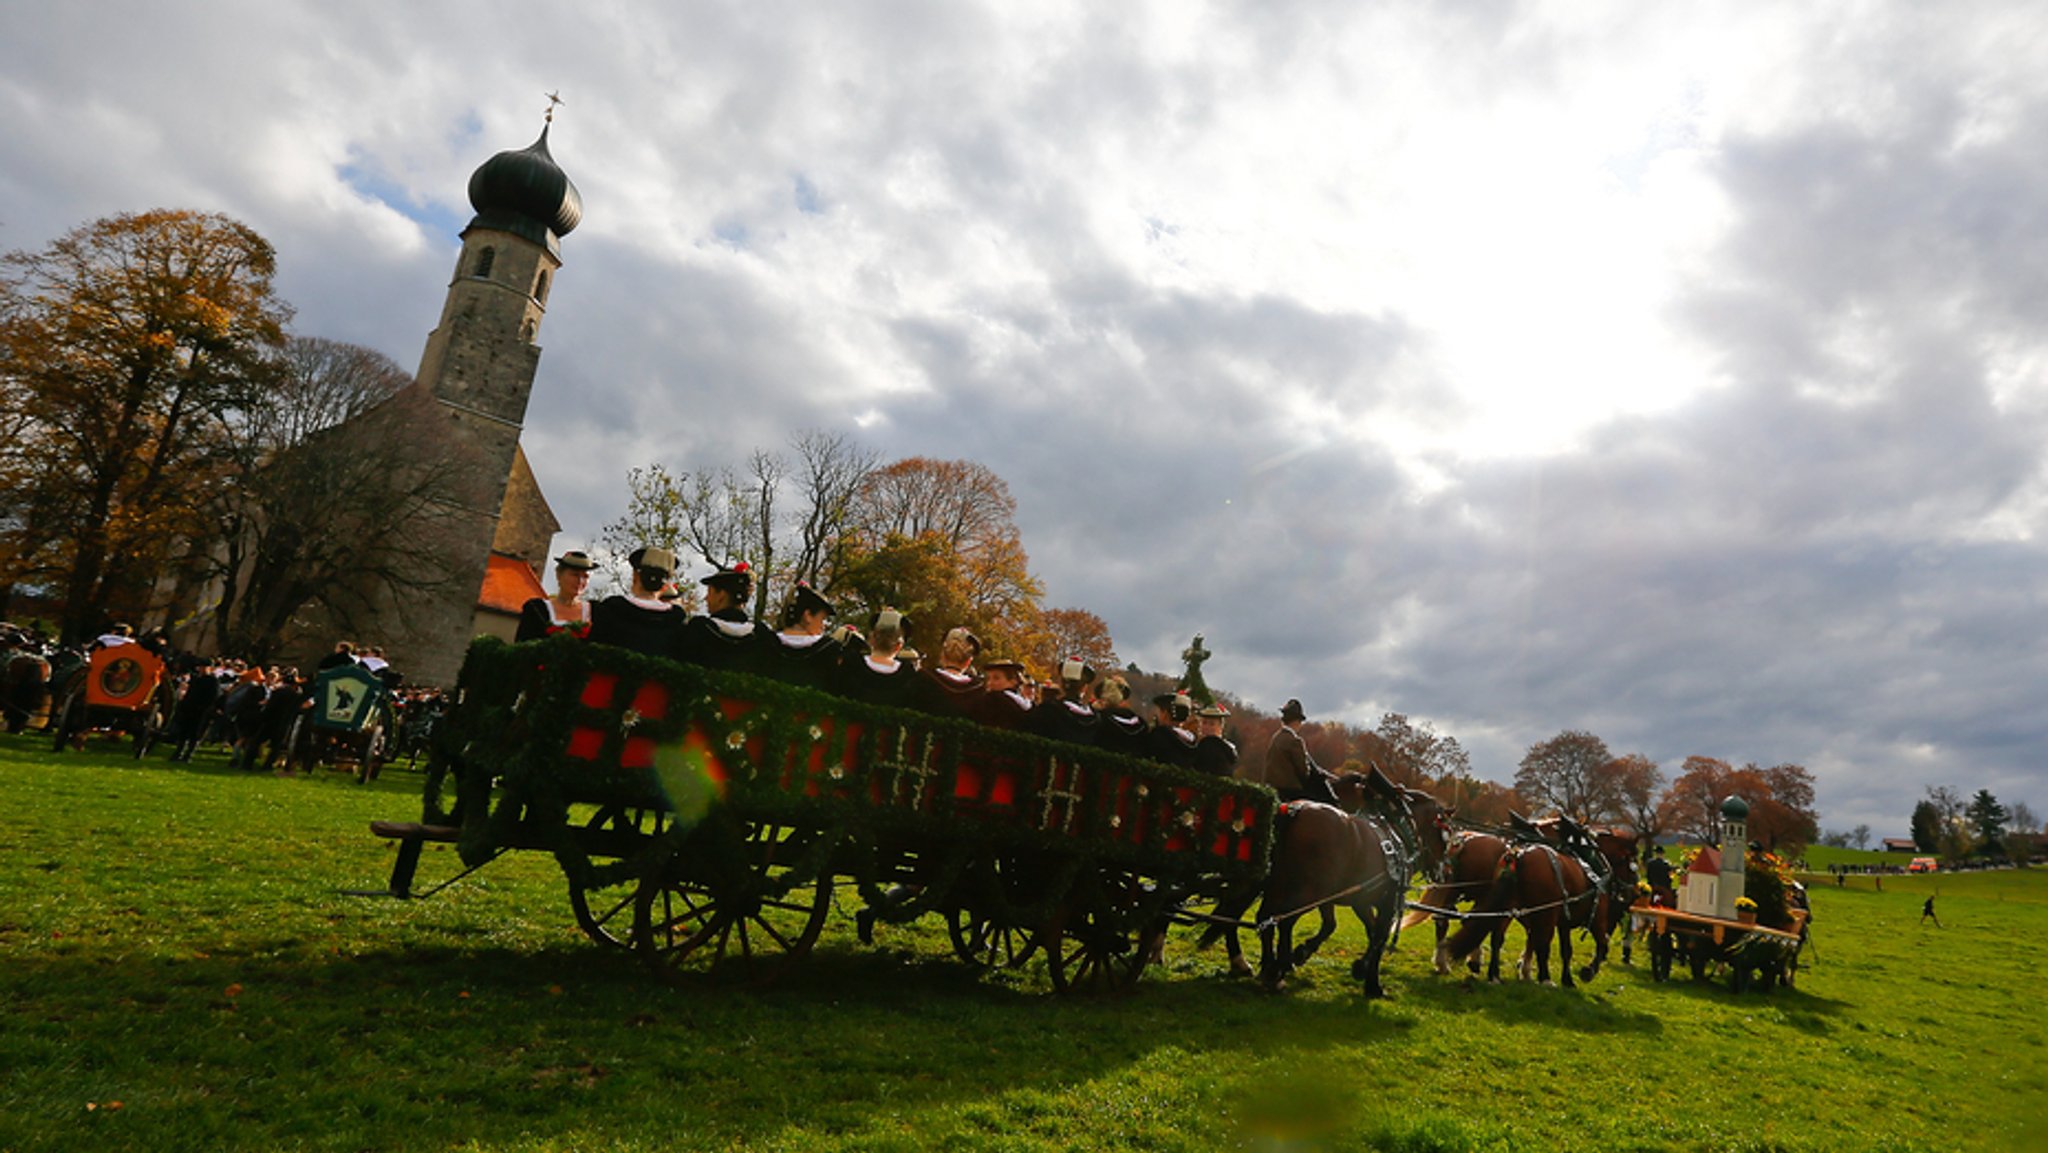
<point>179,971</point>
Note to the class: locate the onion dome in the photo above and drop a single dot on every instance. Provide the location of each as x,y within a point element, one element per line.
<point>526,193</point>
<point>1735,808</point>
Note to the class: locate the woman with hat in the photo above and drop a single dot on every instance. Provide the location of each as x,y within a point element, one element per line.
<point>801,652</point>
<point>723,638</point>
<point>543,616</point>
<point>1169,742</point>
<point>640,620</point>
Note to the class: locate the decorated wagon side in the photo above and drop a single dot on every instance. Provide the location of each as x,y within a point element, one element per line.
<point>704,819</point>
<point>1752,920</point>
<point>346,717</point>
<point>122,690</point>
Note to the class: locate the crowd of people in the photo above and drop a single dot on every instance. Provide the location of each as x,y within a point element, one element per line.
<point>1078,703</point>
<point>245,707</point>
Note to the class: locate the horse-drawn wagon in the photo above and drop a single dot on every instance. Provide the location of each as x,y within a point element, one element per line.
<point>120,689</point>
<point>1735,906</point>
<point>704,819</point>
<point>346,717</point>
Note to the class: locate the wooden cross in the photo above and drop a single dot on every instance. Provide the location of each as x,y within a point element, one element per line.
<point>554,98</point>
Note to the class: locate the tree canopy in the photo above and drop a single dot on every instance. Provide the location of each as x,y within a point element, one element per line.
<point>126,346</point>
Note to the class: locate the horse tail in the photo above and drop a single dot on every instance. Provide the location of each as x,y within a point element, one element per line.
<point>1500,897</point>
<point>1435,895</point>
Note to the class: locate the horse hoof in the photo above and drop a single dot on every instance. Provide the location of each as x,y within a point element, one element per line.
<point>1239,967</point>
<point>1358,969</point>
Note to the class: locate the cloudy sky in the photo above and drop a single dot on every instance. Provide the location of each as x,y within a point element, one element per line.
<point>1673,372</point>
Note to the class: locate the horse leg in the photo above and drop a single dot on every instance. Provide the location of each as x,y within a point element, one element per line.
<point>1498,939</point>
<point>1564,954</point>
<point>1234,909</point>
<point>1308,948</point>
<point>1443,965</point>
<point>1539,934</point>
<point>1377,930</point>
<point>1276,947</point>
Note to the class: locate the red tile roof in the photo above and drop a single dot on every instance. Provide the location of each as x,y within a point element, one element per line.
<point>508,585</point>
<point>1708,861</point>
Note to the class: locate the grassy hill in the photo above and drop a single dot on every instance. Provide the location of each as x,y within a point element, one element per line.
<point>179,971</point>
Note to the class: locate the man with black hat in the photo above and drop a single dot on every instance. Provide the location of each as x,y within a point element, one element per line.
<point>723,638</point>
<point>802,653</point>
<point>1214,755</point>
<point>567,609</point>
<point>1289,768</point>
<point>640,620</point>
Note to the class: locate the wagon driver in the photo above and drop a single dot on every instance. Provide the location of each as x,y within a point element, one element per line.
<point>1290,769</point>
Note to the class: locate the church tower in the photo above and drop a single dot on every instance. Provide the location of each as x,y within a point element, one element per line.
<point>478,367</point>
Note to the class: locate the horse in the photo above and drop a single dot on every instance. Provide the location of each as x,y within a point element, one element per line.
<point>1351,792</point>
<point>1469,864</point>
<point>1328,857</point>
<point>24,688</point>
<point>1551,893</point>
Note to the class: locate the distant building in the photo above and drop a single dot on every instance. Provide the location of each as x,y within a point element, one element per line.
<point>1900,845</point>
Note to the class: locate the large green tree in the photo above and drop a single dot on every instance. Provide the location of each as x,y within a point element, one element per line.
<point>127,344</point>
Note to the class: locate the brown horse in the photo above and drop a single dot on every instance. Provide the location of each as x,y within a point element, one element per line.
<point>1552,893</point>
<point>1328,857</point>
<point>1470,862</point>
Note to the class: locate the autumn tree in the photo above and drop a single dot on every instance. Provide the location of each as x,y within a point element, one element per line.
<point>1639,784</point>
<point>126,343</point>
<point>956,519</point>
<point>1563,774</point>
<point>1074,633</point>
<point>1416,754</point>
<point>1780,801</point>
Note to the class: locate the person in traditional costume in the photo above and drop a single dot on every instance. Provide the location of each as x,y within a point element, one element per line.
<point>1214,756</point>
<point>1289,768</point>
<point>567,609</point>
<point>1119,728</point>
<point>1169,742</point>
<point>802,652</point>
<point>1003,704</point>
<point>959,688</point>
<point>723,637</point>
<point>879,675</point>
<point>1068,716</point>
<point>639,619</point>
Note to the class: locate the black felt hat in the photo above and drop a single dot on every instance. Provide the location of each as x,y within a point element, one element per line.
<point>737,580</point>
<point>1291,711</point>
<point>806,599</point>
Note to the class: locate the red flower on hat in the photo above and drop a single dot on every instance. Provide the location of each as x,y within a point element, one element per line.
<point>739,566</point>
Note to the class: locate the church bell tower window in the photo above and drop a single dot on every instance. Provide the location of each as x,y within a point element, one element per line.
<point>540,287</point>
<point>484,260</point>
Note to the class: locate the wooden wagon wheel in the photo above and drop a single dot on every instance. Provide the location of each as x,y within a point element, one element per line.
<point>69,715</point>
<point>156,713</point>
<point>980,936</point>
<point>696,913</point>
<point>1090,945</point>
<point>605,912</point>
<point>986,943</point>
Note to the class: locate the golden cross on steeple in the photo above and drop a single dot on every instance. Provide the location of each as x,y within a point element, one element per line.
<point>554,98</point>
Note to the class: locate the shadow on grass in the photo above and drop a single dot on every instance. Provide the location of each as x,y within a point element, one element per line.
<point>585,1041</point>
